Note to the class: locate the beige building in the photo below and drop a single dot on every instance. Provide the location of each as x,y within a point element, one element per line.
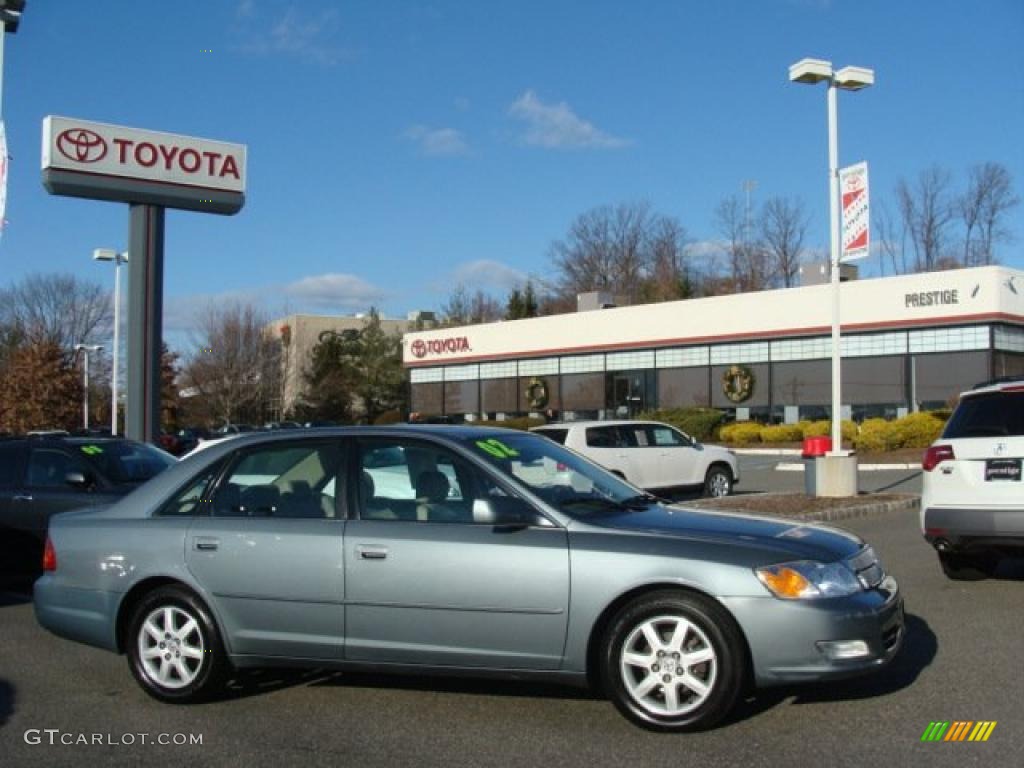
<point>299,334</point>
<point>909,342</point>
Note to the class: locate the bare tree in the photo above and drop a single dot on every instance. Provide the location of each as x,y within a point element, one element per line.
<point>746,257</point>
<point>56,309</point>
<point>890,240</point>
<point>983,208</point>
<point>926,210</point>
<point>236,368</point>
<point>465,308</point>
<point>783,229</point>
<point>671,274</point>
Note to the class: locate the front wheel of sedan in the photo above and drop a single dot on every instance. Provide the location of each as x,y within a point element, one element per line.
<point>174,649</point>
<point>717,482</point>
<point>674,662</point>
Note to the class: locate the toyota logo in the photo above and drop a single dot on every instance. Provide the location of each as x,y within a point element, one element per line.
<point>419,348</point>
<point>81,145</point>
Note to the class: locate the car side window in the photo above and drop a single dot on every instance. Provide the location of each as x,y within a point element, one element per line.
<point>603,437</point>
<point>666,436</point>
<point>291,480</point>
<point>418,482</point>
<point>190,500</point>
<point>8,466</point>
<point>48,468</point>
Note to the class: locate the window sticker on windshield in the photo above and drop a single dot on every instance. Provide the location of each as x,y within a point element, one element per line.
<point>92,450</point>
<point>496,448</point>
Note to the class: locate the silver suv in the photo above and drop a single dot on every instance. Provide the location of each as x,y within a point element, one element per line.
<point>972,504</point>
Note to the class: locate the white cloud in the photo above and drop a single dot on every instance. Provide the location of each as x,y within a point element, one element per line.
<point>438,141</point>
<point>337,292</point>
<point>488,274</point>
<point>556,126</point>
<point>291,33</point>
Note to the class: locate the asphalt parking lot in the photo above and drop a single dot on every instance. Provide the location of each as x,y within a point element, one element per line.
<point>961,662</point>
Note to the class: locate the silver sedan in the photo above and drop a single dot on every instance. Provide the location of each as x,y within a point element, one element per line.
<point>463,551</point>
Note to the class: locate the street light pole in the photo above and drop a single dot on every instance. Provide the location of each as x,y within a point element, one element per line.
<point>812,71</point>
<point>85,349</point>
<point>10,16</point>
<point>107,254</point>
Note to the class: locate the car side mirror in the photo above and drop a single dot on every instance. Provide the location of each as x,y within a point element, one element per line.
<point>506,512</point>
<point>77,480</point>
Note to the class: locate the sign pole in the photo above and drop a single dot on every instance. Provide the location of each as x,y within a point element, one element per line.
<point>145,321</point>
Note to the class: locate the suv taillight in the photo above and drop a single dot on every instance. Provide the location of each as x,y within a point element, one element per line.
<point>935,455</point>
<point>49,556</point>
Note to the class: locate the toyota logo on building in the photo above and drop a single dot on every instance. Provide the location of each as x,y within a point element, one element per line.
<point>81,145</point>
<point>419,348</point>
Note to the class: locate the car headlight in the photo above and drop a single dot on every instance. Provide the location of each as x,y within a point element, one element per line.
<point>808,580</point>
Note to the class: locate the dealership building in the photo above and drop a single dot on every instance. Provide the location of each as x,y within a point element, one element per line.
<point>908,342</point>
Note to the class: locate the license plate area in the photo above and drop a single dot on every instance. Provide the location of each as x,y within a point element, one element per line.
<point>1002,470</point>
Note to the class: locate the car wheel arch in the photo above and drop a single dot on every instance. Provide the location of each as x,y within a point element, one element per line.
<point>599,629</point>
<point>126,608</point>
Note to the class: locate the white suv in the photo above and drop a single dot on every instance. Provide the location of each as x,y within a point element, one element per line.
<point>649,454</point>
<point>972,502</point>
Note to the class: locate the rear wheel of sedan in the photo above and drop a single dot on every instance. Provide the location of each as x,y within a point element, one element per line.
<point>960,567</point>
<point>718,482</point>
<point>673,661</point>
<point>174,649</point>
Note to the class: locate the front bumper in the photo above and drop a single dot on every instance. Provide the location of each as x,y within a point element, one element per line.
<point>787,638</point>
<point>957,528</point>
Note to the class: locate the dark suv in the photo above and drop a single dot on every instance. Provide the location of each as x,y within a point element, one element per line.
<point>43,475</point>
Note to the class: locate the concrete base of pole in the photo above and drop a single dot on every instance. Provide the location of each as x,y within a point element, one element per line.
<point>831,476</point>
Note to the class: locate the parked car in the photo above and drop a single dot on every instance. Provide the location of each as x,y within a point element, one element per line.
<point>187,438</point>
<point>41,476</point>
<point>650,455</point>
<point>234,429</point>
<point>972,500</point>
<point>280,548</point>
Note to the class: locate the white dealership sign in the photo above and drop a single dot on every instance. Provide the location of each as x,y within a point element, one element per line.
<point>853,186</point>
<point>114,162</point>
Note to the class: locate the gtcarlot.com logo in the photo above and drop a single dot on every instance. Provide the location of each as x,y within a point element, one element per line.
<point>958,730</point>
<point>54,736</point>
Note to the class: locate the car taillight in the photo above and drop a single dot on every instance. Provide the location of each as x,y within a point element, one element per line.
<point>49,556</point>
<point>935,455</point>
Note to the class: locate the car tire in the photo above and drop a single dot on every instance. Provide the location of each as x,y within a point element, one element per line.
<point>634,671</point>
<point>961,567</point>
<point>174,649</point>
<point>717,482</point>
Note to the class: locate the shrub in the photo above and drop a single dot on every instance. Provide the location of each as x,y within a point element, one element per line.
<point>698,423</point>
<point>917,430</point>
<point>741,433</point>
<point>524,423</point>
<point>781,433</point>
<point>875,435</point>
<point>824,429</point>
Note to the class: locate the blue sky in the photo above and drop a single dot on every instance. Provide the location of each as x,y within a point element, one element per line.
<point>399,148</point>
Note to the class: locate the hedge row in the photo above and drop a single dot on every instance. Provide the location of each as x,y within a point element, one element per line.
<point>524,423</point>
<point>698,423</point>
<point>917,430</point>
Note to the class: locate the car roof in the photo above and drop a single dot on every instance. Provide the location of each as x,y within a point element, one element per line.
<point>595,423</point>
<point>1005,384</point>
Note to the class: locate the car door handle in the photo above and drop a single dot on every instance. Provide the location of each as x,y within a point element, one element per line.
<point>205,544</point>
<point>372,553</point>
<point>23,497</point>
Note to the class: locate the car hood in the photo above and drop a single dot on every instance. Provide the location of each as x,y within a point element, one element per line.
<point>785,538</point>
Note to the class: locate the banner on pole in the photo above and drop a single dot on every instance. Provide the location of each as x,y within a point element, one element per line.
<point>853,186</point>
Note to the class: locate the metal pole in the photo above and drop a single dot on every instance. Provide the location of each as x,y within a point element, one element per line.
<point>85,390</point>
<point>833,195</point>
<point>3,34</point>
<point>117,344</point>
<point>145,309</point>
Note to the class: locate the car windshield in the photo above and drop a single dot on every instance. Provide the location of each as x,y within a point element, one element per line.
<point>126,462</point>
<point>560,477</point>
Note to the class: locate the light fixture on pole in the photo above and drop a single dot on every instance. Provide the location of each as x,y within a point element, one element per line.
<point>119,258</point>
<point>10,16</point>
<point>85,349</point>
<point>811,72</point>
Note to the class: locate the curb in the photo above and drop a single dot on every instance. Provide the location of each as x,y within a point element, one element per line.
<point>766,451</point>
<point>799,467</point>
<point>868,509</point>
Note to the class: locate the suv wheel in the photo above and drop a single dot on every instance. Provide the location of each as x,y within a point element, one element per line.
<point>673,662</point>
<point>717,482</point>
<point>174,649</point>
<point>960,567</point>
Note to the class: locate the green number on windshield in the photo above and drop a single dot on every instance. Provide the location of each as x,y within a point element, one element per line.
<point>91,450</point>
<point>496,448</point>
